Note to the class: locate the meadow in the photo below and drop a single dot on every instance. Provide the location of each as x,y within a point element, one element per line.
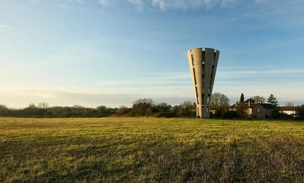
<point>150,150</point>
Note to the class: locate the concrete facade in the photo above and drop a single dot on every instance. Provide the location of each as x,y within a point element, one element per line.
<point>203,64</point>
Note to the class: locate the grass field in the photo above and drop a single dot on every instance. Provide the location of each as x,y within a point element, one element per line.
<point>150,150</point>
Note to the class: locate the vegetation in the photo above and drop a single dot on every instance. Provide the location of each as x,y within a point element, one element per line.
<point>258,99</point>
<point>219,107</point>
<point>220,103</point>
<point>301,112</point>
<point>273,100</point>
<point>141,107</point>
<point>231,115</point>
<point>150,150</point>
<point>242,98</point>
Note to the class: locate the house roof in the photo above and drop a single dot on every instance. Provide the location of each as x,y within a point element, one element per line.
<point>289,108</point>
<point>245,105</point>
<point>267,106</point>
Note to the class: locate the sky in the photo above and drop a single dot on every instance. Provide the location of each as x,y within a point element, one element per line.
<point>113,52</point>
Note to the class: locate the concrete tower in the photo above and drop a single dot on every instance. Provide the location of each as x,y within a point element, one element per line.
<point>203,64</point>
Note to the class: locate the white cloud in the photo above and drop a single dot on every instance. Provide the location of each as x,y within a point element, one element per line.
<point>91,97</point>
<point>159,3</point>
<point>12,27</point>
<point>105,2</point>
<point>228,3</point>
<point>185,4</point>
<point>35,2</point>
<point>176,4</point>
<point>151,80</point>
<point>258,73</point>
<point>137,3</point>
<point>173,88</point>
<point>78,1</point>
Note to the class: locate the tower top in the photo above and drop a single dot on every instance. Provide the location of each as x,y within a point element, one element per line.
<point>203,49</point>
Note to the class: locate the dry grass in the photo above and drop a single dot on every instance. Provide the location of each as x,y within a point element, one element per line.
<point>150,150</point>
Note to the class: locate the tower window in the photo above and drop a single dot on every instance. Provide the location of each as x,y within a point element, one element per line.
<point>192,60</point>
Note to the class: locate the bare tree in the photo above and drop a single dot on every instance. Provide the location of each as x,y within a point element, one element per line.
<point>123,110</point>
<point>31,106</point>
<point>187,108</point>
<point>3,107</point>
<point>142,107</point>
<point>43,105</point>
<point>290,104</point>
<point>219,100</point>
<point>220,103</point>
<point>258,99</point>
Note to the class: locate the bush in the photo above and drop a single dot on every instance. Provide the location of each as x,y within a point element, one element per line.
<point>163,115</point>
<point>230,115</point>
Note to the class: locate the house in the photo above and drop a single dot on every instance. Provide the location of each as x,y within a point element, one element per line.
<point>262,111</point>
<point>253,110</point>
<point>290,110</point>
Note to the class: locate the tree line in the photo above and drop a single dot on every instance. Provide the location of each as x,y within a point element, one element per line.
<point>141,107</point>
<point>219,107</point>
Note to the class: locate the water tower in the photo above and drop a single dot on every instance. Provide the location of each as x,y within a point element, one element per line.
<point>203,64</point>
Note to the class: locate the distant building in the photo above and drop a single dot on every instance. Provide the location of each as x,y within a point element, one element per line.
<point>262,111</point>
<point>203,64</point>
<point>253,110</point>
<point>290,110</point>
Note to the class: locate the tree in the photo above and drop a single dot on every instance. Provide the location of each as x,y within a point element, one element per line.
<point>241,109</point>
<point>123,110</point>
<point>32,110</point>
<point>162,110</point>
<point>43,105</point>
<point>258,99</point>
<point>301,111</point>
<point>78,107</point>
<point>219,100</point>
<point>220,103</point>
<point>79,110</point>
<point>251,100</point>
<point>186,109</point>
<point>88,112</point>
<point>273,100</point>
<point>3,107</point>
<point>3,110</point>
<point>290,104</point>
<point>102,109</point>
<point>242,98</point>
<point>142,107</point>
<point>31,106</point>
<point>68,113</point>
<point>163,107</point>
<point>146,101</point>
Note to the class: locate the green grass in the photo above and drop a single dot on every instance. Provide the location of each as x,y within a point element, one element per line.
<point>150,150</point>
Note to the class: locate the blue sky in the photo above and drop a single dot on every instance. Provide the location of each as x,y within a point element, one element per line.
<point>113,52</point>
